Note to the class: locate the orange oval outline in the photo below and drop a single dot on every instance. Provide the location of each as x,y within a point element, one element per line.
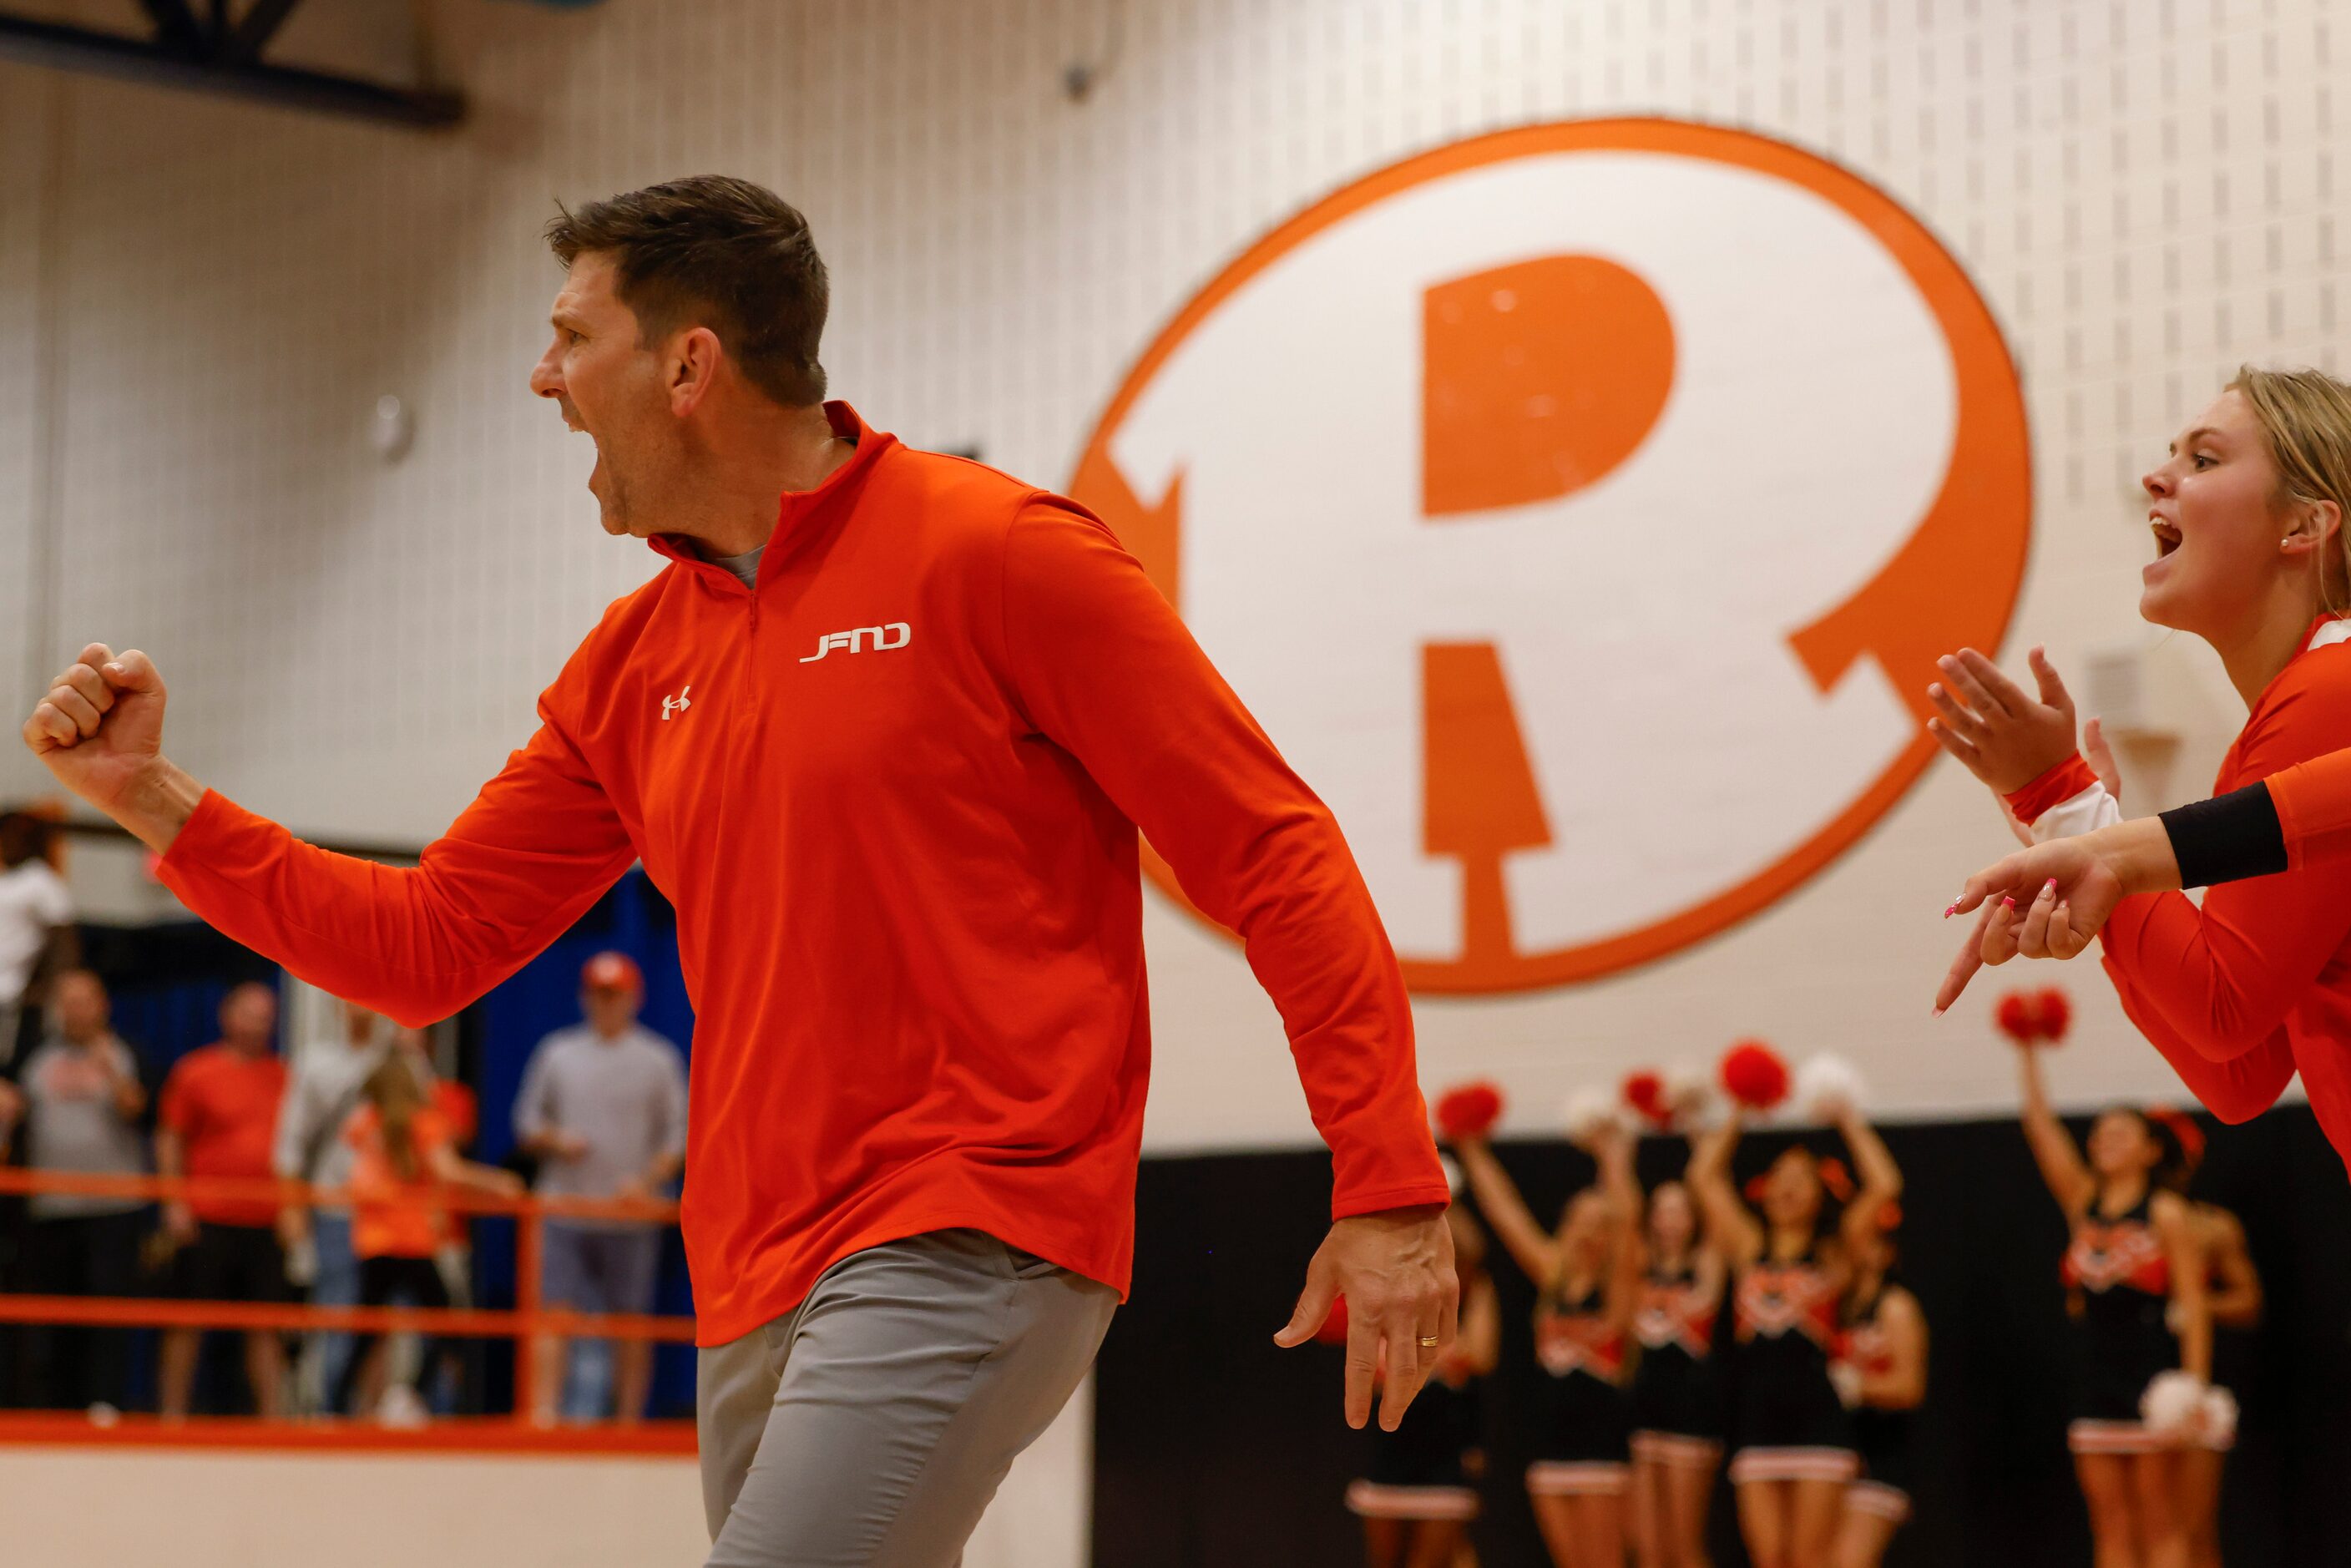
<point>1989,394</point>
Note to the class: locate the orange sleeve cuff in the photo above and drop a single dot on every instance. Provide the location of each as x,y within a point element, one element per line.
<point>196,838</point>
<point>2312,801</point>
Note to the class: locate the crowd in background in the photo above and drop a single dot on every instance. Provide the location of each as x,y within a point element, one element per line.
<point>364,1115</point>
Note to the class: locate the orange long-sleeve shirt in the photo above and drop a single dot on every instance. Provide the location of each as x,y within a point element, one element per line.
<point>893,792</point>
<point>2312,801</point>
<point>2256,984</point>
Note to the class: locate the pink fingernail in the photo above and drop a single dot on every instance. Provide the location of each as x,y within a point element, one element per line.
<point>2007,902</point>
<point>1950,909</point>
<point>2049,887</point>
<point>1938,1012</point>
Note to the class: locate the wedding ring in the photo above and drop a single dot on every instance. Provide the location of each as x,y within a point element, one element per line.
<point>1429,1341</point>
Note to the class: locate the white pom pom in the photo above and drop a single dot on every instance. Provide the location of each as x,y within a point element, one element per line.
<point>1455,1182</point>
<point>1826,1087</point>
<point>1590,1112</point>
<point>1689,1091</point>
<point>2217,1424</point>
<point>2171,1405</point>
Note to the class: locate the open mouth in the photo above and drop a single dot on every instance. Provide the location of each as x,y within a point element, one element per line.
<point>2166,536</point>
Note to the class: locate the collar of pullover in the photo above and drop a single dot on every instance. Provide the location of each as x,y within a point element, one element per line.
<point>798,512</point>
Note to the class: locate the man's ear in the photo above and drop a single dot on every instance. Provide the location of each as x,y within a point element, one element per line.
<point>693,369</point>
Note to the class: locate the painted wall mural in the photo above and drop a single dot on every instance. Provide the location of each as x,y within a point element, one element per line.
<point>1581,508</point>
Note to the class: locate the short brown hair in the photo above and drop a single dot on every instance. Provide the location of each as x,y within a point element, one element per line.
<point>717,252</point>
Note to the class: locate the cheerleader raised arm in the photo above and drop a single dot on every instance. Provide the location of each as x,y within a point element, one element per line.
<point>1587,1274</point>
<point>2134,1272</point>
<point>1880,1179</point>
<point>1792,1450</point>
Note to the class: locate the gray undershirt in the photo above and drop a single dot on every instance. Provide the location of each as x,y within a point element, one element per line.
<point>744,566</point>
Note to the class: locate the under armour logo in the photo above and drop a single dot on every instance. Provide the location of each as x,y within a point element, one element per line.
<point>677,703</point>
<point>854,642</point>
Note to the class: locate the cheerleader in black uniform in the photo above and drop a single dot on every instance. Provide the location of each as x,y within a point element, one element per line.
<point>1421,1493</point>
<point>1881,1373</point>
<point>1585,1277</point>
<point>2232,1299</point>
<point>1677,1396</point>
<point>2132,1273</point>
<point>1792,1443</point>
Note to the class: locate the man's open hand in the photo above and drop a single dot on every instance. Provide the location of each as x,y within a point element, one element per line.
<point>1404,1300</point>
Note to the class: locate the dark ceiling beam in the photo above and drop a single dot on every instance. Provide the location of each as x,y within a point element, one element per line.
<point>254,31</point>
<point>69,48</point>
<point>176,27</point>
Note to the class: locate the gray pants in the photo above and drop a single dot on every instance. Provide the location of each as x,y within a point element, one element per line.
<point>869,1427</point>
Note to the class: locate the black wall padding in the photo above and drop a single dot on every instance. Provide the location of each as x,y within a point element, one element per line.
<point>1214,1449</point>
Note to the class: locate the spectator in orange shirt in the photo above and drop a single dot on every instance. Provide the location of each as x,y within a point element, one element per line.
<point>218,1117</point>
<point>460,1109</point>
<point>403,1158</point>
<point>459,1106</point>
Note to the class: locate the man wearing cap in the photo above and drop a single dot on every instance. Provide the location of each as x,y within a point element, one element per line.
<point>602,1108</point>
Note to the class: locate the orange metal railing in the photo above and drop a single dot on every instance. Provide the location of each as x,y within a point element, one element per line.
<point>528,1320</point>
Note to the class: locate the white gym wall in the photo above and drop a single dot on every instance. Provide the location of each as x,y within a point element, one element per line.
<point>217,294</point>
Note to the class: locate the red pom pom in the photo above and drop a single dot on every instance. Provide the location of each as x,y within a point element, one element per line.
<point>1334,1327</point>
<point>1645,1092</point>
<point>1754,1074</point>
<point>2018,1016</point>
<point>1469,1111</point>
<point>2053,1011</point>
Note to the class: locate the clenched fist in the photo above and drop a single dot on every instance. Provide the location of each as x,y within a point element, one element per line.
<point>101,730</point>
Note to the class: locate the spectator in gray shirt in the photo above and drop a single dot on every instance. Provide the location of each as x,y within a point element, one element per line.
<point>602,1107</point>
<point>329,1078</point>
<point>83,1100</point>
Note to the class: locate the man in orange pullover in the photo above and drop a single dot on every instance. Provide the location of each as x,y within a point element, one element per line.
<point>883,731</point>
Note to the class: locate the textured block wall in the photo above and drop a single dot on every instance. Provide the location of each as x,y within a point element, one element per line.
<point>2144,190</point>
